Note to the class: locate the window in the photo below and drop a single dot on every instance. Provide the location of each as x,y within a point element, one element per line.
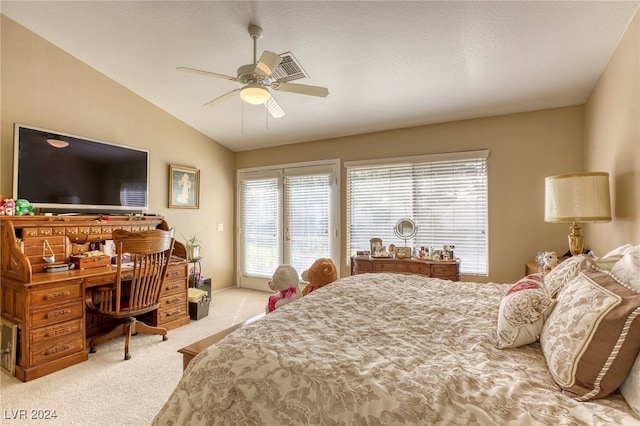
<point>445,194</point>
<point>286,215</point>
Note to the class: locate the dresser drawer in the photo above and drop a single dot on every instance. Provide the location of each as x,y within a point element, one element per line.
<point>56,332</point>
<point>401,267</point>
<point>42,352</point>
<point>70,290</point>
<point>445,272</point>
<point>56,314</point>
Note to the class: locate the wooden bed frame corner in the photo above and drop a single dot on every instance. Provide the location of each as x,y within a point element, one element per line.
<point>190,351</point>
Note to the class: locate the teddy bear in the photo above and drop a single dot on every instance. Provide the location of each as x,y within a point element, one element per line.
<point>550,260</point>
<point>322,272</point>
<point>286,284</point>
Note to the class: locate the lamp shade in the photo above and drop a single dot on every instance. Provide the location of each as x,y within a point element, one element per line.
<point>579,197</point>
<point>255,94</point>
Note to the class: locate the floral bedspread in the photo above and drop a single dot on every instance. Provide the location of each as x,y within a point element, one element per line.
<point>379,349</point>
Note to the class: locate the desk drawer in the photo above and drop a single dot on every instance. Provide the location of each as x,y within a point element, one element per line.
<point>176,271</point>
<point>70,290</point>
<point>172,313</point>
<point>173,299</point>
<point>174,286</point>
<point>48,351</point>
<point>56,332</point>
<point>55,314</point>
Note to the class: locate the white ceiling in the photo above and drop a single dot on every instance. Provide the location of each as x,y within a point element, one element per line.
<point>387,64</point>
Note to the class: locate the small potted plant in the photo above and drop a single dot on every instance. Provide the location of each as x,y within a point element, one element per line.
<point>193,247</point>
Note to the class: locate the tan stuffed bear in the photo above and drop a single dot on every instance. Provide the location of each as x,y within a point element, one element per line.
<point>322,272</point>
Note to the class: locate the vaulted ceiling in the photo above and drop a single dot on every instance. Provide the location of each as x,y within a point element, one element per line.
<point>387,64</point>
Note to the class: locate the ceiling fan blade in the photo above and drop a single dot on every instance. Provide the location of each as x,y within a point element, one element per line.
<point>274,108</point>
<point>221,98</point>
<point>302,89</point>
<point>267,63</point>
<point>207,73</point>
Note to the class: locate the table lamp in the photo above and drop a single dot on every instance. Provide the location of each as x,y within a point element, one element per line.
<point>578,197</point>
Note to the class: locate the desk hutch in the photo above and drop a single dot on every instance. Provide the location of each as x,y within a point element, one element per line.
<point>49,307</point>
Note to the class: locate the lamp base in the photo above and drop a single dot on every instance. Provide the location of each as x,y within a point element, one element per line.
<point>576,240</point>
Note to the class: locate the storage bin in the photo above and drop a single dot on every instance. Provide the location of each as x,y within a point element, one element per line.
<point>199,309</point>
<point>199,302</point>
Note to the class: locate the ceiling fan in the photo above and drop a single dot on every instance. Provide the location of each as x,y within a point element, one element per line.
<point>271,71</point>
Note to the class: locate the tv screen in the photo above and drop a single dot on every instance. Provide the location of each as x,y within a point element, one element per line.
<point>57,171</point>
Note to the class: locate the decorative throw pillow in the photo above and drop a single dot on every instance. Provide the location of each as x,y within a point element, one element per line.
<point>628,268</point>
<point>562,274</point>
<point>570,268</point>
<point>522,313</point>
<point>630,389</point>
<point>592,336</point>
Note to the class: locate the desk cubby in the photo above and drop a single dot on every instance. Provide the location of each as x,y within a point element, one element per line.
<point>49,307</point>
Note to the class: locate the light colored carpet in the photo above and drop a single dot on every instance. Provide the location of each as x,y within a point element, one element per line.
<point>106,390</point>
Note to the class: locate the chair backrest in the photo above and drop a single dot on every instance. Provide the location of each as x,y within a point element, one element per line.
<point>149,253</point>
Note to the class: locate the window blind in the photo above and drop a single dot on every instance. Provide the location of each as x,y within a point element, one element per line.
<point>307,218</point>
<point>287,215</point>
<point>445,195</point>
<point>261,231</point>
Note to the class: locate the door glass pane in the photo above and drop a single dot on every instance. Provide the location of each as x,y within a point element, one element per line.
<point>261,232</point>
<point>307,219</point>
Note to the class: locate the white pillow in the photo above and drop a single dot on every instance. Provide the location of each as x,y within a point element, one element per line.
<point>630,388</point>
<point>628,268</point>
<point>619,251</point>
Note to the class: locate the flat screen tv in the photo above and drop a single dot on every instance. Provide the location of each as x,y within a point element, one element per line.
<point>59,172</point>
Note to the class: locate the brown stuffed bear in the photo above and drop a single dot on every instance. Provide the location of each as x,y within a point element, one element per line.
<point>322,272</point>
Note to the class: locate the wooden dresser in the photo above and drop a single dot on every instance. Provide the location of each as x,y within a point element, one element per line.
<point>446,270</point>
<point>49,307</point>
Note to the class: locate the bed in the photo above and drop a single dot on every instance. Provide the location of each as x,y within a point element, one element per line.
<point>381,349</point>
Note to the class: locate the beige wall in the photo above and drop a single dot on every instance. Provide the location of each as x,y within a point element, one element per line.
<point>524,148</point>
<point>45,87</point>
<point>612,142</point>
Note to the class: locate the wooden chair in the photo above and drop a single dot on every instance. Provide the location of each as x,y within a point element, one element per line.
<point>136,290</point>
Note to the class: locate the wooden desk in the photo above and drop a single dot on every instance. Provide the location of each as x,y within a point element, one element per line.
<point>190,351</point>
<point>49,307</point>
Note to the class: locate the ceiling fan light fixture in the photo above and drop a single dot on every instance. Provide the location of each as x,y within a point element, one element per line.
<point>255,94</point>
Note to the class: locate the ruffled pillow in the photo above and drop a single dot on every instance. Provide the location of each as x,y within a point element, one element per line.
<point>630,389</point>
<point>522,313</point>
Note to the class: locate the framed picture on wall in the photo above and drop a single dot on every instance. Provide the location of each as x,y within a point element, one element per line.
<point>8,339</point>
<point>184,187</point>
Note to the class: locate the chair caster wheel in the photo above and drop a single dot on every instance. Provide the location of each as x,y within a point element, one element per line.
<point>165,338</point>
<point>92,350</point>
<point>127,356</point>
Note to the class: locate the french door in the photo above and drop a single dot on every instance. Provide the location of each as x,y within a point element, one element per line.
<point>286,216</point>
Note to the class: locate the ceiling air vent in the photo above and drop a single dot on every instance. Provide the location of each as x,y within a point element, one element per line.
<point>289,69</point>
